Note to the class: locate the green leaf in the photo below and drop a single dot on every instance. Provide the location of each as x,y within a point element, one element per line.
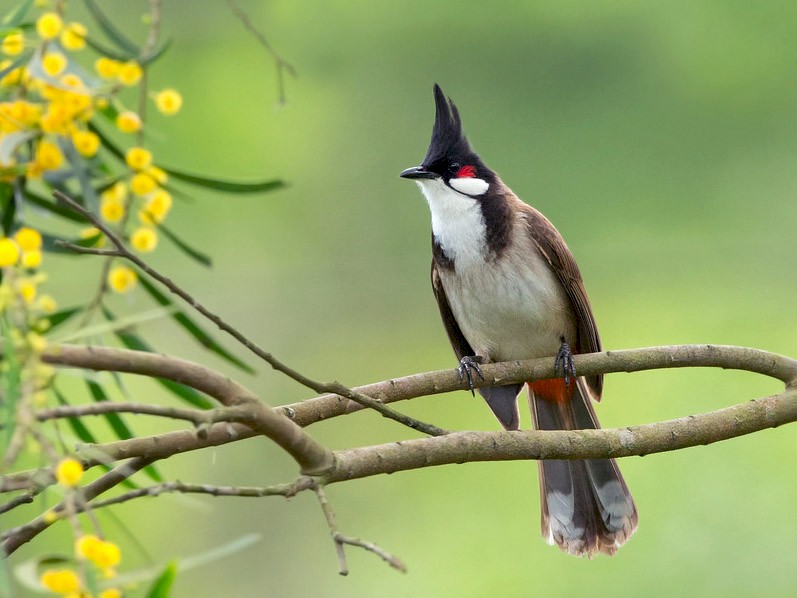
<point>162,586</point>
<point>78,427</point>
<point>9,143</point>
<point>49,244</point>
<point>106,51</point>
<point>8,206</point>
<point>107,26</point>
<point>194,254</point>
<point>157,52</point>
<point>136,343</point>
<point>59,317</point>
<point>10,383</point>
<point>106,141</point>
<point>53,207</point>
<point>15,17</point>
<point>194,329</point>
<point>223,185</point>
<point>23,59</point>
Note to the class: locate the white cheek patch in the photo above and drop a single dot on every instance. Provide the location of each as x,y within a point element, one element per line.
<point>469,185</point>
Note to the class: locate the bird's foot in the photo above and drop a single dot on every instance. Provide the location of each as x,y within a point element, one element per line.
<point>564,363</point>
<point>467,365</point>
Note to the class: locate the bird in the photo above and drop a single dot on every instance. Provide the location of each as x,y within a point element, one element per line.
<point>508,288</point>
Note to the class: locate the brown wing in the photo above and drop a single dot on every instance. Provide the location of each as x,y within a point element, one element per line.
<point>458,340</point>
<point>553,247</point>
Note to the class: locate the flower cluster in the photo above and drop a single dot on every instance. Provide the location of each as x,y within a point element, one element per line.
<point>104,555</point>
<point>50,99</point>
<point>25,309</point>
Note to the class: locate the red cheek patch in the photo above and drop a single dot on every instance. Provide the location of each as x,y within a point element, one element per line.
<point>466,172</point>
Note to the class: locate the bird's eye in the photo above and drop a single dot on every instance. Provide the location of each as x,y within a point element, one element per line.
<point>454,166</point>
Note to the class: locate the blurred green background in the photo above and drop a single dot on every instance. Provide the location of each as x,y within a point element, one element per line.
<point>660,138</point>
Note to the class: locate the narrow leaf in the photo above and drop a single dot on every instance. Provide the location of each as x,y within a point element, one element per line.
<point>162,586</point>
<point>157,52</point>
<point>78,427</point>
<point>106,51</point>
<point>53,207</point>
<point>15,17</point>
<point>10,386</point>
<point>114,34</point>
<point>120,428</point>
<point>49,244</point>
<point>194,254</point>
<point>224,185</point>
<point>106,141</point>
<point>59,317</point>
<point>194,329</point>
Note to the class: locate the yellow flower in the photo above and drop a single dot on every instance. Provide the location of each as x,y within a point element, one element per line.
<point>128,122</point>
<point>86,143</point>
<point>60,581</point>
<point>13,44</point>
<point>68,472</point>
<point>111,593</point>
<point>50,517</point>
<point>12,77</point>
<point>31,259</point>
<point>72,80</point>
<point>28,239</point>
<point>27,290</point>
<point>144,239</point>
<point>49,25</point>
<point>53,63</point>
<point>111,210</point>
<point>91,232</point>
<point>48,155</point>
<point>107,68</point>
<point>158,174</point>
<point>168,101</point>
<point>158,206</point>
<point>141,183</point>
<point>138,158</point>
<point>36,342</point>
<point>129,73</point>
<point>74,36</point>
<point>121,279</point>
<point>102,553</point>
<point>117,191</point>
<point>47,304</point>
<point>9,252</point>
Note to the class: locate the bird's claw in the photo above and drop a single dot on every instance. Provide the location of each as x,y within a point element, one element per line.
<point>564,363</point>
<point>466,366</point>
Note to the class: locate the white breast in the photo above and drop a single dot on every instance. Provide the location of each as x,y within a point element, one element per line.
<point>512,307</point>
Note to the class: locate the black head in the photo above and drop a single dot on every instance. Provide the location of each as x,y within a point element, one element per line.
<point>449,156</point>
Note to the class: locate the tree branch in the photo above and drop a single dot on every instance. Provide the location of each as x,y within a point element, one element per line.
<point>460,447</point>
<point>320,387</point>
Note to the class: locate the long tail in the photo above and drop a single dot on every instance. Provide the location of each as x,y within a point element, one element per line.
<point>586,506</point>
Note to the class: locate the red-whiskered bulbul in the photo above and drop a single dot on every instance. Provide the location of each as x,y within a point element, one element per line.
<point>508,288</point>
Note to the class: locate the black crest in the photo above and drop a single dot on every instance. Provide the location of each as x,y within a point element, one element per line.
<point>447,138</point>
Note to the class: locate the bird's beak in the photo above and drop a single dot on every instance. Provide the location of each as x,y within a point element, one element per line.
<point>418,172</point>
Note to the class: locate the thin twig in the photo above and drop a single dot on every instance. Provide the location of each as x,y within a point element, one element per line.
<point>282,65</point>
<point>341,540</point>
<point>320,387</point>
<point>195,416</point>
<point>16,537</point>
<point>287,490</point>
